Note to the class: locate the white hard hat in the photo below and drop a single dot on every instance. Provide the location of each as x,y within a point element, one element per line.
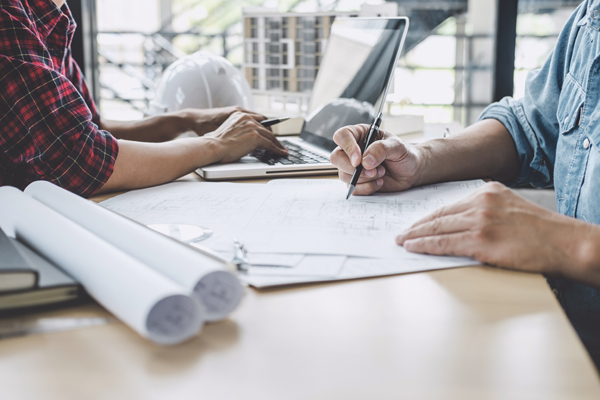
<point>200,80</point>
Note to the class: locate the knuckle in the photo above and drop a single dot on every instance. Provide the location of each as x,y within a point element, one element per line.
<point>496,186</point>
<point>485,215</point>
<point>341,136</point>
<point>483,234</point>
<point>436,226</point>
<point>442,243</point>
<point>488,198</point>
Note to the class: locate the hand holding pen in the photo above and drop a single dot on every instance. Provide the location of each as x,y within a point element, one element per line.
<point>373,132</point>
<point>388,164</point>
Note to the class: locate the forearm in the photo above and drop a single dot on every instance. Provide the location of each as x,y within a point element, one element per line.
<point>484,150</point>
<point>160,128</point>
<point>141,165</point>
<point>580,242</point>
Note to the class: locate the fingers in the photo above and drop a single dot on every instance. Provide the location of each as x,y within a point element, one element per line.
<point>454,244</point>
<point>276,146</point>
<point>341,161</point>
<point>439,226</point>
<point>348,138</point>
<point>365,176</point>
<point>388,149</point>
<point>368,188</point>
<point>268,135</point>
<point>269,145</point>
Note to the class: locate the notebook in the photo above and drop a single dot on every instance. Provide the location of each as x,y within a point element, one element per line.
<point>46,284</point>
<point>352,83</point>
<point>15,272</point>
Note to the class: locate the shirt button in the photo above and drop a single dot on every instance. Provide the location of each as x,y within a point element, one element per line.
<point>586,143</point>
<point>596,14</point>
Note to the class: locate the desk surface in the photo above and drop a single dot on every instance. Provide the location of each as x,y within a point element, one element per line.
<point>469,333</point>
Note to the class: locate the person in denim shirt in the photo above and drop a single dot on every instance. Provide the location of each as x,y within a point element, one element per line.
<point>549,138</point>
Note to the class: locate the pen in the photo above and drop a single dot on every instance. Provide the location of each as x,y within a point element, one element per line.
<point>373,131</point>
<point>274,121</point>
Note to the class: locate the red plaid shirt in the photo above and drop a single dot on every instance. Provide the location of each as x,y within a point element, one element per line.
<point>48,121</point>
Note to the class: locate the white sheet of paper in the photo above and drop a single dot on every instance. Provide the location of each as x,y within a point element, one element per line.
<point>318,220</point>
<point>310,265</point>
<point>358,267</point>
<point>217,289</point>
<point>145,300</point>
<point>220,207</point>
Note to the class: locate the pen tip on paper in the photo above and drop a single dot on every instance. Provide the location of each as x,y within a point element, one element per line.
<point>350,190</point>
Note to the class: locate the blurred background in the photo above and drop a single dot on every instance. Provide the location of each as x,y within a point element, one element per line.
<point>459,56</point>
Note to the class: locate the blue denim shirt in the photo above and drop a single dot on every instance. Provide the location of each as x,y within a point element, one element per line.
<point>556,128</point>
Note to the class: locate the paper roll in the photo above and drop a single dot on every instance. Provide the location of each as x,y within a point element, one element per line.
<point>145,300</point>
<point>218,290</point>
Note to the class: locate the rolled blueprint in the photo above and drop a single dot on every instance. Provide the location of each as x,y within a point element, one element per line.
<point>217,289</point>
<point>145,300</point>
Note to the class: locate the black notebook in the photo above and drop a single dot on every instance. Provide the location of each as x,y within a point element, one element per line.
<point>29,280</point>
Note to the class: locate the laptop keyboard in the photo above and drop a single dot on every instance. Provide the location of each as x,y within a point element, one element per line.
<point>296,155</point>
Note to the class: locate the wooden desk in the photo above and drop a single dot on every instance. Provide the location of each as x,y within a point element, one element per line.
<point>471,333</point>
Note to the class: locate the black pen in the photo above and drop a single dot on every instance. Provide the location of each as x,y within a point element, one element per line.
<point>373,131</point>
<point>274,121</point>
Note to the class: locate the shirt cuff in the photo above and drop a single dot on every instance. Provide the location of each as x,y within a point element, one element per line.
<point>89,164</point>
<point>534,169</point>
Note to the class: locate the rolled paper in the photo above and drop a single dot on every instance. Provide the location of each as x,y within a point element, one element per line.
<point>218,290</point>
<point>145,300</point>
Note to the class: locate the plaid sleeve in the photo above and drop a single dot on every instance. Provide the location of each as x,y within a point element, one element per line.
<point>76,77</point>
<point>46,126</point>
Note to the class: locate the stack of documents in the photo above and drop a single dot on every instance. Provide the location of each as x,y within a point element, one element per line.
<point>298,231</point>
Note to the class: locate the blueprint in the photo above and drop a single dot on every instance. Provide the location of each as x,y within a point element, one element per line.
<point>301,217</point>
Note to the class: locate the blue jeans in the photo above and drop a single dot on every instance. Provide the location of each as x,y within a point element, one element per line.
<point>582,305</point>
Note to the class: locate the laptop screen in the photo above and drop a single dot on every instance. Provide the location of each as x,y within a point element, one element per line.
<point>354,75</point>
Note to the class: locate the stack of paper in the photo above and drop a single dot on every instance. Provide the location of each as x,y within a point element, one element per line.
<point>300,231</point>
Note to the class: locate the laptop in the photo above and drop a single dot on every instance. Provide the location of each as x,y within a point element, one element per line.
<point>350,88</point>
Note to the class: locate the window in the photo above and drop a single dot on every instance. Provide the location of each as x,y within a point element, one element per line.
<point>273,72</point>
<point>271,84</point>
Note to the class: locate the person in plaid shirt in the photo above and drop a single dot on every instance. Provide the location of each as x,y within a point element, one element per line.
<point>50,128</point>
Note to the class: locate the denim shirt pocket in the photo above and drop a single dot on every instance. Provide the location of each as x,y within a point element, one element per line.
<point>571,118</point>
<point>570,106</point>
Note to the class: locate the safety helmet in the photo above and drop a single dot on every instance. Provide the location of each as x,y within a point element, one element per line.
<point>200,80</point>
